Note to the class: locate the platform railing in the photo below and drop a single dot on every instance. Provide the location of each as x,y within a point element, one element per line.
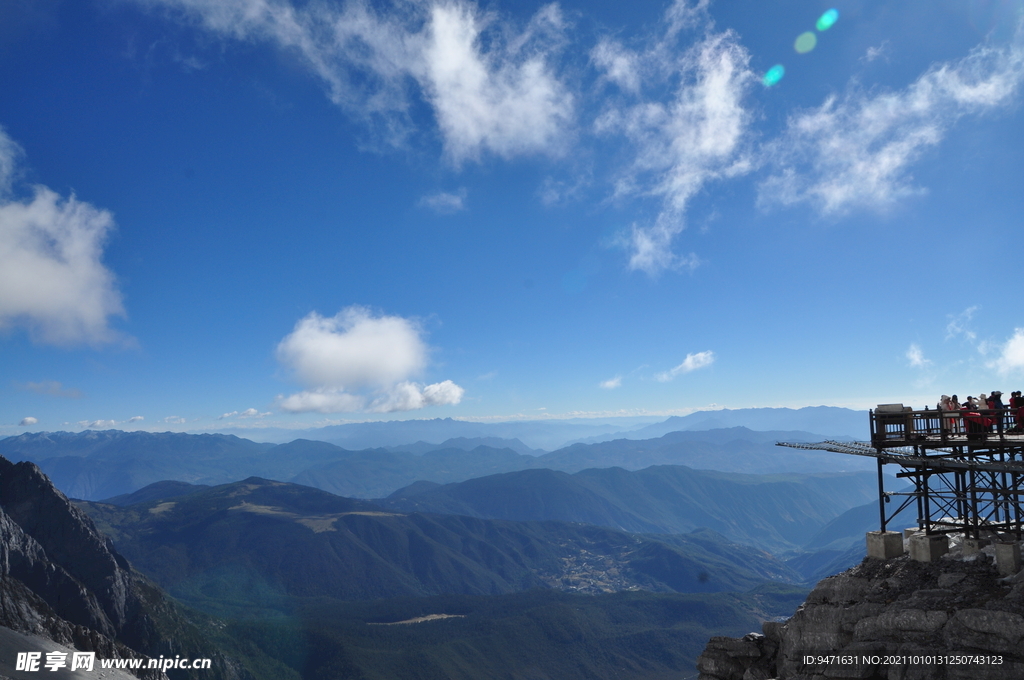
<point>890,426</point>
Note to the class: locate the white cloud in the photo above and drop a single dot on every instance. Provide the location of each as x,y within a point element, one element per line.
<point>692,362</point>
<point>491,89</point>
<point>322,400</point>
<point>856,150</point>
<point>253,413</point>
<point>507,101</point>
<point>52,278</point>
<point>1011,355</point>
<point>355,361</point>
<point>915,357</point>
<point>27,421</point>
<point>408,396</point>
<point>684,143</point>
<point>136,419</point>
<point>353,349</point>
<point>611,383</point>
<point>445,203</point>
<point>173,420</point>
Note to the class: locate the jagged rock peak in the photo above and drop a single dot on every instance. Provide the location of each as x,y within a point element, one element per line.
<point>68,539</point>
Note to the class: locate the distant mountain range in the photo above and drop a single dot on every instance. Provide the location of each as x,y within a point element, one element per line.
<point>94,465</point>
<point>467,444</point>
<point>557,433</point>
<point>537,434</point>
<point>835,423</point>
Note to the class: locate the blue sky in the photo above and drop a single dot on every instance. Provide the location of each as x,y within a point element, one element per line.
<point>221,213</point>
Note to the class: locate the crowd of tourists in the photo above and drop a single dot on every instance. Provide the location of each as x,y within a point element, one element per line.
<point>980,413</point>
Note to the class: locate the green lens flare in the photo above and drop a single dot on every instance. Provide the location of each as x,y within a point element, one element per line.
<point>827,19</point>
<point>774,75</point>
<point>805,42</point>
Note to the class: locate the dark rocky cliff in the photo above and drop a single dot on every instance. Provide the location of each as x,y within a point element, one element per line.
<point>62,580</point>
<point>894,620</point>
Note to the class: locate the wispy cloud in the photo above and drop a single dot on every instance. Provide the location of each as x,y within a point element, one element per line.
<point>558,192</point>
<point>52,388</point>
<point>492,88</point>
<point>682,143</point>
<point>52,278</point>
<point>97,424</point>
<point>612,383</point>
<point>856,150</point>
<point>876,52</point>
<point>692,362</point>
<point>356,361</point>
<point>445,203</point>
<point>1011,355</point>
<point>959,325</point>
<point>618,65</point>
<point>247,413</point>
<point>110,424</point>
<point>916,358</point>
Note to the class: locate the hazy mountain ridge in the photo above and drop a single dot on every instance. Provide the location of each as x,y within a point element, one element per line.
<point>736,449</point>
<point>94,465</point>
<point>549,435</point>
<point>538,434</point>
<point>777,513</point>
<point>835,422</point>
<point>467,444</point>
<point>376,473</point>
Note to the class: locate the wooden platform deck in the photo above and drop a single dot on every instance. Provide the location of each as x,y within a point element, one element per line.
<point>983,429</point>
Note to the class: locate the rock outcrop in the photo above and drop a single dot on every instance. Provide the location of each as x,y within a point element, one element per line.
<point>889,619</point>
<point>61,579</point>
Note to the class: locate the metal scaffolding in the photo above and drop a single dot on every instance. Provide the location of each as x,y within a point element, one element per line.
<point>967,469</point>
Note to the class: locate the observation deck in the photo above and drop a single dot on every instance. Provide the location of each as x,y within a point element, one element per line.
<point>895,425</point>
<point>965,469</point>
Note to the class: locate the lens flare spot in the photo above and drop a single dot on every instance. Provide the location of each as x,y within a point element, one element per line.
<point>805,42</point>
<point>826,20</point>
<point>774,75</point>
